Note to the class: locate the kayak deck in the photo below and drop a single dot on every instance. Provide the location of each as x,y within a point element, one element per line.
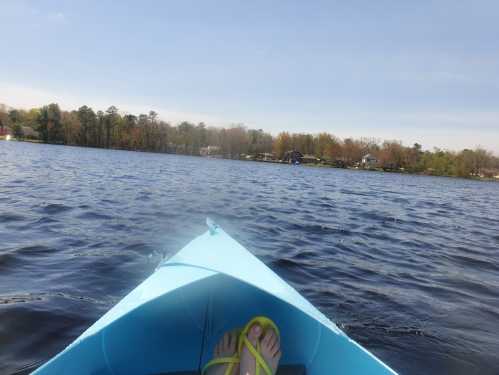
<point>172,321</point>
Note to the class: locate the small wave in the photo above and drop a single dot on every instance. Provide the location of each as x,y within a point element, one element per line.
<point>55,208</point>
<point>46,220</point>
<point>9,217</point>
<point>360,193</point>
<point>475,263</point>
<point>94,216</point>
<point>319,229</point>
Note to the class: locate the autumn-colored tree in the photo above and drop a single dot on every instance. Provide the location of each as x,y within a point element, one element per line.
<point>71,127</point>
<point>352,151</point>
<point>392,155</point>
<point>282,144</point>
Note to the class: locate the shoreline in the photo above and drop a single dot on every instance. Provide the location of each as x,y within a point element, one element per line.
<point>309,165</point>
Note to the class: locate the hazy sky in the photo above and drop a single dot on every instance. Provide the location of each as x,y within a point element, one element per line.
<point>418,71</point>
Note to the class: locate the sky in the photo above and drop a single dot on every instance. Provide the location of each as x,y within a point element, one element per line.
<point>416,71</point>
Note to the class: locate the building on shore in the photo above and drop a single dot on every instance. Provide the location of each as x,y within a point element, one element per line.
<point>296,157</point>
<point>292,157</point>
<point>211,151</point>
<point>5,130</point>
<point>265,156</point>
<point>30,133</point>
<point>369,161</point>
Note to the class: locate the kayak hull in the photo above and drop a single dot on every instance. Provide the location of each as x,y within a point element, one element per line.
<point>172,321</point>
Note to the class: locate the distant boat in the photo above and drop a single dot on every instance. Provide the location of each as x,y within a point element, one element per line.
<point>170,323</point>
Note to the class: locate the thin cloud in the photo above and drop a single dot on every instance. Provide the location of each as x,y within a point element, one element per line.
<point>57,17</point>
<point>28,97</point>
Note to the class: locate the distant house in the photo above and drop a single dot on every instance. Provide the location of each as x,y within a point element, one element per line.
<point>5,133</point>
<point>369,161</point>
<point>210,151</point>
<point>265,156</point>
<point>293,157</point>
<point>30,133</point>
<point>4,130</point>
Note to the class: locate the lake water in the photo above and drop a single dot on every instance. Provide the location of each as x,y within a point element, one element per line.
<point>406,265</point>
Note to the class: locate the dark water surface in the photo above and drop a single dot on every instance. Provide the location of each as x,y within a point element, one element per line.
<point>406,265</point>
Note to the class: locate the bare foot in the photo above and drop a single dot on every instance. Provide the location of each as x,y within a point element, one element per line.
<point>226,347</point>
<point>269,348</point>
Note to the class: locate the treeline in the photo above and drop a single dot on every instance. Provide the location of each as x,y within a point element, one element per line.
<point>146,132</point>
<point>391,155</point>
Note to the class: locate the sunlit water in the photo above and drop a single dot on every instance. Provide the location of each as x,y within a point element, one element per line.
<point>406,265</point>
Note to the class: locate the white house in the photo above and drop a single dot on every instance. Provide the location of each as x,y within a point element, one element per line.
<point>210,151</point>
<point>369,161</point>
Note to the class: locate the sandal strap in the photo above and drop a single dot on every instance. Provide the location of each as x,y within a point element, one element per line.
<point>265,323</point>
<point>231,361</point>
<point>260,362</point>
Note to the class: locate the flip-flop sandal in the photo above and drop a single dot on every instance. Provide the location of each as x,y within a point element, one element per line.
<point>265,323</point>
<point>230,361</point>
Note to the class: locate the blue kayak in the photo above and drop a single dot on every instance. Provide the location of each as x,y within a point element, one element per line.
<point>171,322</point>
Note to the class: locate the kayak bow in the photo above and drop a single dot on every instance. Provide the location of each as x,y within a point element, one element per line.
<point>170,323</point>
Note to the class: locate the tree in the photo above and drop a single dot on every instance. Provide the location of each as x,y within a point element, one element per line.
<point>392,155</point>
<point>87,119</point>
<point>236,141</point>
<point>282,144</point>
<point>439,162</point>
<point>50,127</point>
<point>110,122</point>
<point>15,118</point>
<point>71,127</point>
<point>352,151</point>
<point>259,142</point>
<point>328,147</point>
<point>465,163</point>
<point>184,137</point>
<point>99,129</point>
<point>414,158</point>
<point>129,123</point>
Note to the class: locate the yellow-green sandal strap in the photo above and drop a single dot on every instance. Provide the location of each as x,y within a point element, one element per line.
<point>228,370</point>
<point>264,323</point>
<point>260,362</point>
<point>221,361</point>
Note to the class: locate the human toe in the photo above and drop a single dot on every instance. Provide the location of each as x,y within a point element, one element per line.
<point>254,333</point>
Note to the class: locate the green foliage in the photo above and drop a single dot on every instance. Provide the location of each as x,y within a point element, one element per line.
<point>17,130</point>
<point>15,118</point>
<point>49,124</point>
<point>88,135</point>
